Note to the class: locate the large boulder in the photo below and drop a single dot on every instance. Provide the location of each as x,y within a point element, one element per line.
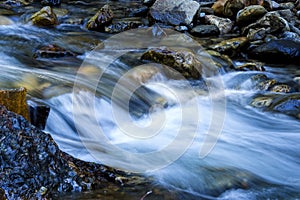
<point>184,61</point>
<point>282,50</point>
<point>101,19</point>
<point>44,17</point>
<point>179,12</point>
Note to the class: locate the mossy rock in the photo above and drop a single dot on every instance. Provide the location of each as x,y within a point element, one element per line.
<point>15,101</point>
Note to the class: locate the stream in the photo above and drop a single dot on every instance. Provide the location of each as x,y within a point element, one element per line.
<point>198,139</point>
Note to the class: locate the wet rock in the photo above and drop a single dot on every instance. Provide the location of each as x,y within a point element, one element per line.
<point>5,20</point>
<point>101,19</point>
<point>231,46</point>
<point>15,101</point>
<point>180,12</point>
<point>270,22</point>
<point>123,25</point>
<point>148,2</point>
<point>288,104</point>
<point>218,7</point>
<point>222,62</point>
<point>205,30</point>
<point>250,14</point>
<point>52,51</point>
<point>50,2</point>
<point>224,24</point>
<point>44,17</point>
<point>183,61</point>
<point>232,7</point>
<point>33,167</point>
<point>250,67</point>
<point>139,12</point>
<point>38,114</point>
<point>281,88</point>
<point>278,51</point>
<point>289,35</point>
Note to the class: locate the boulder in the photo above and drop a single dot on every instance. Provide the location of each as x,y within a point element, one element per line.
<point>270,22</point>
<point>181,60</point>
<point>205,30</point>
<point>101,19</point>
<point>15,101</point>
<point>180,12</point>
<point>230,47</point>
<point>250,14</point>
<point>278,51</point>
<point>224,24</point>
<point>44,17</point>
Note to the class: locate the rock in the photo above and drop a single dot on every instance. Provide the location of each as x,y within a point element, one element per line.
<point>289,35</point>
<point>205,30</point>
<point>123,25</point>
<point>52,51</point>
<point>232,7</point>
<point>218,7</point>
<point>224,24</point>
<point>281,88</point>
<point>139,12</point>
<point>271,22</point>
<point>148,2</point>
<point>180,12</point>
<point>231,46</point>
<point>38,114</point>
<point>50,2</point>
<point>183,61</point>
<point>15,101</point>
<point>288,5</point>
<point>101,19</point>
<point>250,14</point>
<point>222,62</point>
<point>278,51</point>
<point>250,67</point>
<point>288,104</point>
<point>44,17</point>
<point>33,167</point>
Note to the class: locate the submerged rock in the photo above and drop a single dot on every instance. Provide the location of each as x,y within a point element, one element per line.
<point>44,17</point>
<point>15,100</point>
<point>180,12</point>
<point>52,51</point>
<point>101,19</point>
<point>224,24</point>
<point>274,51</point>
<point>183,61</point>
<point>231,46</point>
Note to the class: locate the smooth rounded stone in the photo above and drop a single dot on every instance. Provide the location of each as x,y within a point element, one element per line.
<point>182,60</point>
<point>224,25</point>
<point>180,12</point>
<point>232,7</point>
<point>5,21</point>
<point>101,19</point>
<point>15,101</point>
<point>250,14</point>
<point>44,17</point>
<point>288,104</point>
<point>52,51</point>
<point>230,47</point>
<point>123,25</point>
<point>271,21</point>
<point>250,67</point>
<point>282,51</point>
<point>50,2</point>
<point>205,30</point>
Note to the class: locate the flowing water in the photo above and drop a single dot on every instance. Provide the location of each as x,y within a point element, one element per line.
<point>197,139</point>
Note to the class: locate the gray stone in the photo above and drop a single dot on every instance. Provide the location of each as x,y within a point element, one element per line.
<point>205,30</point>
<point>180,12</point>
